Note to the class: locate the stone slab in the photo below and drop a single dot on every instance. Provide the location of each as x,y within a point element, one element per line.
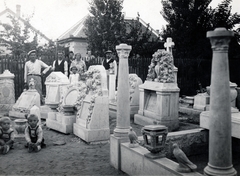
<point>15,114</point>
<point>205,122</point>
<point>91,135</point>
<point>143,121</point>
<point>61,123</point>
<point>133,162</point>
<point>115,152</point>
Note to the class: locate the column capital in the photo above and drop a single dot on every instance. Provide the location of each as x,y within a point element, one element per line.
<point>123,50</point>
<point>220,39</point>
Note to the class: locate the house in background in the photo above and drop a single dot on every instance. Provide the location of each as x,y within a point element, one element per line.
<point>42,39</point>
<point>75,38</point>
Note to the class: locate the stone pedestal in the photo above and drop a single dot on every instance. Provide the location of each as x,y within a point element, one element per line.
<point>220,145</point>
<point>201,100</point>
<point>7,93</point>
<point>158,104</point>
<point>63,121</point>
<point>112,86</point>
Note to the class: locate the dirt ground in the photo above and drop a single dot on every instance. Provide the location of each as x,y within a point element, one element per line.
<point>76,157</point>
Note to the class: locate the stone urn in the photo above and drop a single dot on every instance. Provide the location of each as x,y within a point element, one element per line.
<point>20,125</point>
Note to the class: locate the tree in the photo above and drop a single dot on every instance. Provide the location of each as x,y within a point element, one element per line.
<point>16,37</point>
<point>189,20</point>
<point>105,27</point>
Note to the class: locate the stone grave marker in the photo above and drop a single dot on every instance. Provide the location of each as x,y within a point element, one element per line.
<point>25,102</point>
<point>159,94</point>
<point>92,121</point>
<point>7,93</point>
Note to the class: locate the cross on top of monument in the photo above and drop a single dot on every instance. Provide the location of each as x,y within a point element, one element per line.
<point>169,44</point>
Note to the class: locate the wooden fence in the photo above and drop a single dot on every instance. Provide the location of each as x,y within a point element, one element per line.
<point>191,72</point>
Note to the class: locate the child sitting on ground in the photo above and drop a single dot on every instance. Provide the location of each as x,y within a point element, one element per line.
<point>74,76</point>
<point>34,134</point>
<point>6,135</point>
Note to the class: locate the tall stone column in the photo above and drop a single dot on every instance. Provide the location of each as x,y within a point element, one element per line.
<point>220,144</point>
<point>123,97</point>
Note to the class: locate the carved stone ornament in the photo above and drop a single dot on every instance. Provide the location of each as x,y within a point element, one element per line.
<point>123,50</point>
<point>53,79</point>
<point>161,67</point>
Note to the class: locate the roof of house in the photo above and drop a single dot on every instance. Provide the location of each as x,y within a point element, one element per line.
<point>7,10</point>
<point>77,30</point>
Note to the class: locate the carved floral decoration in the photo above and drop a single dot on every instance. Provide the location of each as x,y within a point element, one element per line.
<point>161,67</point>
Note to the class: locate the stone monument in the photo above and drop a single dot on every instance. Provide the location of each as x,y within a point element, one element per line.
<point>7,93</point>
<point>134,82</point>
<point>92,121</point>
<point>159,95</point>
<point>220,144</point>
<point>63,120</point>
<point>25,102</point>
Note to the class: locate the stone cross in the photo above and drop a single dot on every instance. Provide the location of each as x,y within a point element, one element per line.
<point>220,144</point>
<point>169,44</point>
<point>123,95</point>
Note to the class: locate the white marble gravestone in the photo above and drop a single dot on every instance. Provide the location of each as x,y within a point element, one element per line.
<point>134,82</point>
<point>7,93</point>
<point>56,87</point>
<point>25,102</point>
<point>63,120</point>
<point>159,94</point>
<point>92,121</point>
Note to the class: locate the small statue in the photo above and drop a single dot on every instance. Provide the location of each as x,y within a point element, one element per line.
<point>133,138</point>
<point>31,84</point>
<point>185,165</point>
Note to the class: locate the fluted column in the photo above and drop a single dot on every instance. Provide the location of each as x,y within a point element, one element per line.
<point>123,97</point>
<point>220,145</point>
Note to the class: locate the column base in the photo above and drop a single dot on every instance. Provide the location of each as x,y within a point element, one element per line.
<point>219,171</point>
<point>121,132</point>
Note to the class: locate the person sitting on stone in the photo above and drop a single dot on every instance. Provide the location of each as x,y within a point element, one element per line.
<point>60,64</point>
<point>34,134</point>
<point>80,64</point>
<point>74,76</point>
<point>6,135</point>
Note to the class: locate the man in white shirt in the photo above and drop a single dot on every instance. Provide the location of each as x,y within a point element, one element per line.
<point>32,69</point>
<point>60,64</point>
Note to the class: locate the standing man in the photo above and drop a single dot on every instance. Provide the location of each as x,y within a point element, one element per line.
<point>110,65</point>
<point>60,64</point>
<point>69,60</point>
<point>32,69</point>
<point>89,59</point>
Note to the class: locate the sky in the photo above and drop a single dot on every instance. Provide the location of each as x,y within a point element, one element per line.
<point>54,17</point>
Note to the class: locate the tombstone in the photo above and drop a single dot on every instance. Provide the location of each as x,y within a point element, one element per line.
<point>201,100</point>
<point>63,120</point>
<point>25,102</point>
<point>56,86</point>
<point>112,82</point>
<point>134,82</point>
<point>92,121</point>
<point>159,95</point>
<point>7,93</point>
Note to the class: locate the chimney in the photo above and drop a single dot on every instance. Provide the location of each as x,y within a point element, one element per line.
<point>18,10</point>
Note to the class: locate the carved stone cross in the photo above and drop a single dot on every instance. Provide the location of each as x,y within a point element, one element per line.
<point>169,44</point>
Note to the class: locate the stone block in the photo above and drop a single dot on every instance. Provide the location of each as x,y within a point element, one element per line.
<point>115,152</point>
<point>133,162</point>
<point>61,123</point>
<point>201,101</point>
<point>205,122</point>
<point>44,110</point>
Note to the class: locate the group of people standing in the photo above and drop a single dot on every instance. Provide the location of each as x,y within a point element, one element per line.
<point>73,67</point>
